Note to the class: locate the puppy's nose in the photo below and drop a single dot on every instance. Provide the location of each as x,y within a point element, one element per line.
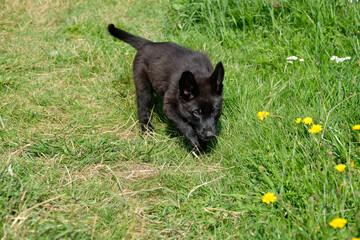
<point>209,134</point>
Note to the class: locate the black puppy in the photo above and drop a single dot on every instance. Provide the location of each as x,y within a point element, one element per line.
<point>187,81</point>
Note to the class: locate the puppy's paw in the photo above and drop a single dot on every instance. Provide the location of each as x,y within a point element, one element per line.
<point>147,127</point>
<point>203,145</point>
<point>197,144</point>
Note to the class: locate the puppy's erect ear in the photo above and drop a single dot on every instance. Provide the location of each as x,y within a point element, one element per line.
<point>188,86</point>
<point>217,78</point>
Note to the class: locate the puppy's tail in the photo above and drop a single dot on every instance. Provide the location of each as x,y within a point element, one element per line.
<point>136,42</point>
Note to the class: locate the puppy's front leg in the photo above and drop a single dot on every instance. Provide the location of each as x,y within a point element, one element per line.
<point>171,112</point>
<point>190,135</point>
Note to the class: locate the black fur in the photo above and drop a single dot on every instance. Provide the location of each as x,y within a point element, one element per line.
<point>187,81</point>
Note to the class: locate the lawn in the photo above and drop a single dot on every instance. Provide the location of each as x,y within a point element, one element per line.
<point>73,161</point>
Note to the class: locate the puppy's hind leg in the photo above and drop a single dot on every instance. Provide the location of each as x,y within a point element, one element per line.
<point>144,92</point>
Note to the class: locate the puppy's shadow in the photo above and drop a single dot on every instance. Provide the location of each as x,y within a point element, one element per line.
<point>171,129</point>
<point>157,103</point>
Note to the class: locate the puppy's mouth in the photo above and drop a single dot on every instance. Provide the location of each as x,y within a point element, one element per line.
<point>206,139</point>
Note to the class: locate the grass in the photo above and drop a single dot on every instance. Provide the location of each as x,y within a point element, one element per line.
<point>74,164</point>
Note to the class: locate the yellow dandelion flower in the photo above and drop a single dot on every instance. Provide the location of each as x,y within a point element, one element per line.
<point>315,128</point>
<point>340,167</point>
<point>298,120</point>
<point>352,164</point>
<point>307,120</point>
<point>262,115</point>
<point>356,127</point>
<point>268,198</point>
<point>338,223</point>
<point>355,239</point>
<point>261,167</point>
<point>318,227</point>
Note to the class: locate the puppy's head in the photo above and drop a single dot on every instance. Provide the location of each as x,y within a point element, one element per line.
<point>200,101</point>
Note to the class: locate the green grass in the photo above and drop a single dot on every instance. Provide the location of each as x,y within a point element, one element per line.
<point>83,170</point>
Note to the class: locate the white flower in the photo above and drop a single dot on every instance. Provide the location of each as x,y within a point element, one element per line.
<point>290,62</point>
<point>292,58</point>
<point>337,59</point>
<point>301,60</point>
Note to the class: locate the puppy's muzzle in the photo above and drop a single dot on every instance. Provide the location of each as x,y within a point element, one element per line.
<point>208,136</point>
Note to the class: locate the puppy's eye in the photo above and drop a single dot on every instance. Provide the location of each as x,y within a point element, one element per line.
<point>215,112</point>
<point>196,113</point>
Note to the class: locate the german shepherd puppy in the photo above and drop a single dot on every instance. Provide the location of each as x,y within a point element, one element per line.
<point>186,80</point>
